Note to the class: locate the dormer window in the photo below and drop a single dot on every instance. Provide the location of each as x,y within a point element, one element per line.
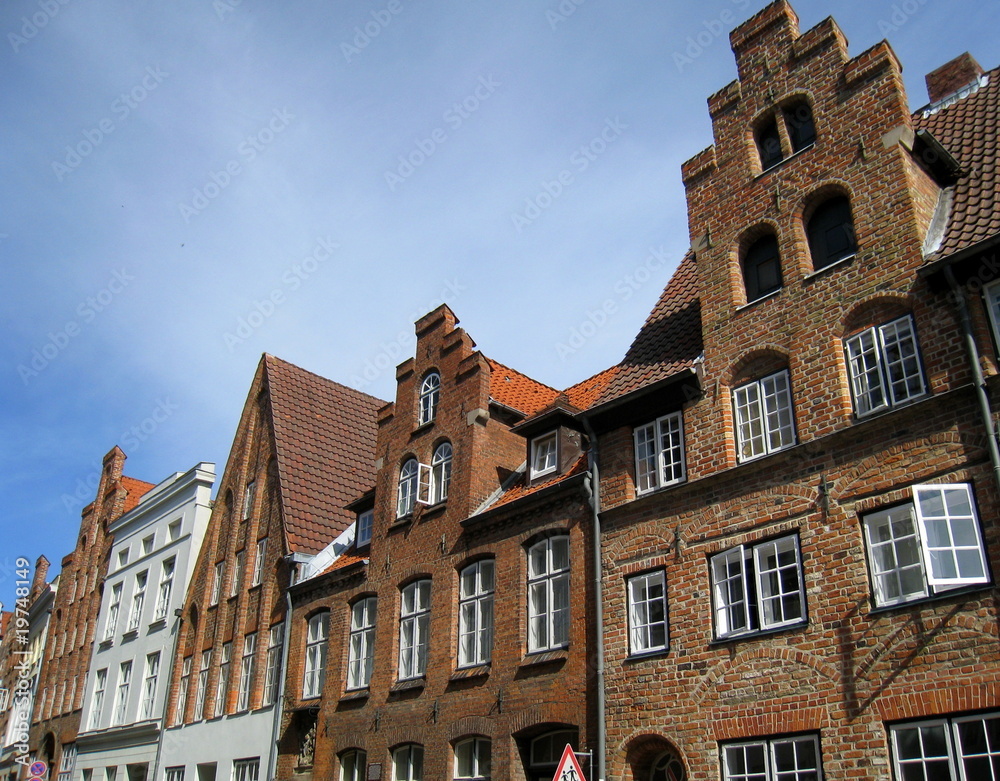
<point>831,232</point>
<point>543,455</point>
<point>762,268</point>
<point>364,527</point>
<point>430,391</point>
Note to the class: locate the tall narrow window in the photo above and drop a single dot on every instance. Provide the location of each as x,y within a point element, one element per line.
<point>800,125</point>
<point>182,693</point>
<point>237,584</point>
<point>647,613</point>
<point>831,232</point>
<point>317,634</point>
<point>353,764</point>
<point>137,600</point>
<point>548,594</point>
<point>97,703</point>
<point>249,494</point>
<point>762,268</point>
<point>149,685</point>
<point>884,364</point>
<point>124,682</point>
<point>362,643</point>
<point>475,613</point>
<point>407,490</point>
<point>440,472</point>
<point>113,610</point>
<point>430,390</point>
<point>769,144</point>
<point>199,695</point>
<point>272,673</point>
<point>659,453</point>
<point>472,759</point>
<point>414,623</point>
<point>247,670</point>
<point>217,582</point>
<point>364,527</point>
<point>764,419</point>
<point>258,562</point>
<point>166,586</point>
<point>222,683</point>
<point>408,763</point>
<point>174,773</point>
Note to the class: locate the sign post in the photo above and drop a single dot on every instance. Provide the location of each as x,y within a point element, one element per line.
<point>569,768</point>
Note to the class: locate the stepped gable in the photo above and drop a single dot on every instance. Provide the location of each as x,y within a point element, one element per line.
<point>324,437</point>
<point>969,128</point>
<point>668,342</point>
<point>518,391</point>
<point>134,491</point>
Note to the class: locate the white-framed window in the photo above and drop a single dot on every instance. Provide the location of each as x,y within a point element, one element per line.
<point>414,624</point>
<point>659,453</point>
<point>4,698</point>
<point>272,671</point>
<point>97,700</point>
<point>765,422</point>
<point>246,769</point>
<point>543,454</point>
<point>220,568</point>
<point>247,670</point>
<point>135,617</point>
<point>222,683</point>
<point>173,533</point>
<point>406,493</point>
<point>364,524</point>
<point>440,472</point>
<point>758,587</point>
<point>149,685</point>
<point>113,611</point>
<point>237,584</point>
<point>199,695</point>
<point>147,544</point>
<point>182,692</point>
<point>258,562</point>
<point>317,635</point>
<point>174,773</point>
<point>430,393</point>
<point>548,594</point>
<point>472,759</point>
<point>124,682</point>
<point>961,748</point>
<point>647,613</point>
<point>353,764</point>
<point>249,494</point>
<point>166,586</point>
<point>122,558</point>
<point>884,366</point>
<point>67,763</point>
<point>927,546</point>
<point>408,763</point>
<point>777,759</point>
<point>361,646</point>
<point>475,613</point>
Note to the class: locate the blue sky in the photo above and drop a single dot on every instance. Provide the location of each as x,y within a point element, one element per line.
<point>189,184</point>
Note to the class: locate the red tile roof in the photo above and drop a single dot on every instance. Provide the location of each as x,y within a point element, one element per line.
<point>134,491</point>
<point>343,561</point>
<point>521,489</point>
<point>516,390</point>
<point>585,393</point>
<point>970,130</point>
<point>324,436</point>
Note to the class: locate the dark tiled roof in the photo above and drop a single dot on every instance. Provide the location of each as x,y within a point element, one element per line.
<point>519,391</point>
<point>970,130</point>
<point>520,488</point>
<point>325,443</point>
<point>669,341</point>
<point>134,491</point>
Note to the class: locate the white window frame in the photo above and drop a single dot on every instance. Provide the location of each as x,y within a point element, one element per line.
<point>767,752</point>
<point>544,454</point>
<point>475,754</point>
<point>744,599</point>
<point>317,639</point>
<point>174,533</point>
<point>138,598</point>
<point>122,557</point>
<point>149,685</point>
<point>548,594</point>
<point>440,472</point>
<point>174,773</point>
<point>246,769</point>
<point>258,562</point>
<point>883,364</point>
<point>114,609</point>
<point>353,765</point>
<point>236,585</point>
<point>414,628</point>
<point>97,698</point>
<point>147,544</point>
<point>222,682</point>
<point>430,396</point>
<point>272,671</point>
<point>121,697</point>
<point>249,496</point>
<point>916,533</point>
<point>408,762</point>
<point>659,453</point>
<point>365,522</point>
<point>764,416</point>
<point>406,491</point>
<point>361,644</point>
<point>647,613</point>
<point>166,587</point>
<point>184,688</point>
<point>247,670</point>
<point>202,688</point>
<point>220,568</point>
<point>955,756</point>
<point>476,587</point>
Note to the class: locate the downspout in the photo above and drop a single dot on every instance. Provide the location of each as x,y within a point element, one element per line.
<point>179,615</point>
<point>272,759</point>
<point>977,373</point>
<point>594,499</point>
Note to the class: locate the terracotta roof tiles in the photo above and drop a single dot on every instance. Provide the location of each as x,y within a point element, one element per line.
<point>519,391</point>
<point>521,488</point>
<point>134,491</point>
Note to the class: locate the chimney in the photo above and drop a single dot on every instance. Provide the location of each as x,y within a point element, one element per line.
<point>41,572</point>
<point>952,76</point>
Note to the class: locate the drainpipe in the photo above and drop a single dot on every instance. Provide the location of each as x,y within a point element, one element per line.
<point>272,760</point>
<point>179,615</point>
<point>977,372</point>
<point>594,498</point>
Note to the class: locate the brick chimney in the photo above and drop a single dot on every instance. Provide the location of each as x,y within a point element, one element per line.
<point>952,76</point>
<point>41,572</point>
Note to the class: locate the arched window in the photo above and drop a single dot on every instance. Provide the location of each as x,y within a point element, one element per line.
<point>831,232</point>
<point>408,762</point>
<point>762,267</point>
<point>668,768</point>
<point>768,144</point>
<point>430,391</point>
<point>407,491</point>
<point>472,759</point>
<point>440,472</point>
<point>800,125</point>
<point>353,764</point>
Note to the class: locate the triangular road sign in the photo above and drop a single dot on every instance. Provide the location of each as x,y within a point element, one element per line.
<point>569,768</point>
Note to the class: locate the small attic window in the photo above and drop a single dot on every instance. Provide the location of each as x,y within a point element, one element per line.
<point>801,128</point>
<point>543,455</point>
<point>430,391</point>
<point>769,144</point>
<point>364,527</point>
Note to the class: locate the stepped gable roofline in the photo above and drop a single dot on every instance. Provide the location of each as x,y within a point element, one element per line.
<point>324,440</point>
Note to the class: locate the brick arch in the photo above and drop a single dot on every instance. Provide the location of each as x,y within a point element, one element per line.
<point>762,359</point>
<point>638,752</point>
<point>405,733</point>
<point>346,740</point>
<point>624,547</point>
<point>558,713</point>
<point>797,499</point>
<point>775,655</point>
<point>875,309</point>
<point>469,726</point>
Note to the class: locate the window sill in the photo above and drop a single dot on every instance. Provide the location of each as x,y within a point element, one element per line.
<point>422,427</point>
<point>659,489</point>
<point>783,160</point>
<point>758,633</point>
<point>131,634</point>
<point>762,456</point>
<point>401,521</point>
<point>545,657</point>
<point>355,694</point>
<point>107,642</point>
<point>836,264</point>
<point>464,673</point>
<point>766,297</point>
<point>642,656</point>
<point>890,408</point>
<point>158,624</point>
<point>921,602</point>
<point>408,684</point>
